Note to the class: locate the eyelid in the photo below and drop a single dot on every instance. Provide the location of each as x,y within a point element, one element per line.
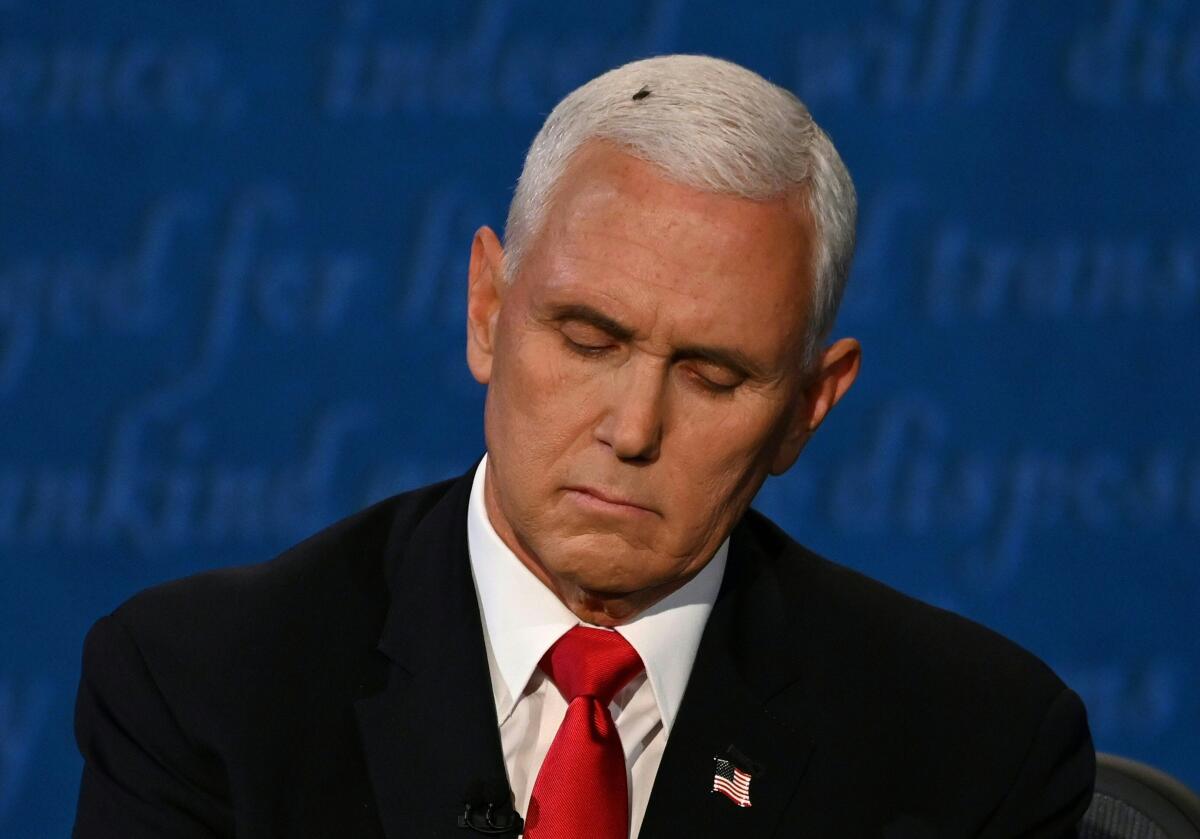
<point>715,388</point>
<point>586,349</point>
<point>702,365</point>
<point>584,332</point>
<point>580,333</point>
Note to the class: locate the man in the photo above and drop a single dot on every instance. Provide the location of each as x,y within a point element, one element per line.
<point>591,628</point>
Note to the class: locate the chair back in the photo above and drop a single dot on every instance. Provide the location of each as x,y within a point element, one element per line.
<point>1135,801</point>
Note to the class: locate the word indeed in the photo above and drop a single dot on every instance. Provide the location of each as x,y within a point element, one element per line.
<point>497,67</point>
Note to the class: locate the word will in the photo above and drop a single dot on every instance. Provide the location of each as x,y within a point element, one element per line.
<point>1144,51</point>
<point>928,51</point>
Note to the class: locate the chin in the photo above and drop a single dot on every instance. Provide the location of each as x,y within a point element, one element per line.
<point>588,563</point>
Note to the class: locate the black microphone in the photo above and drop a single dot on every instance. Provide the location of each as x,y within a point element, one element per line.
<point>488,809</point>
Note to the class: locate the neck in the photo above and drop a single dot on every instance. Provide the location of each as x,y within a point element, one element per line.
<point>599,608</point>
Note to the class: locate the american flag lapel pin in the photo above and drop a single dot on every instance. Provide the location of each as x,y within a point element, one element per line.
<point>731,782</point>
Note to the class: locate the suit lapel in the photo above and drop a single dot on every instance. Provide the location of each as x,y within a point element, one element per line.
<point>745,662</point>
<point>432,731</point>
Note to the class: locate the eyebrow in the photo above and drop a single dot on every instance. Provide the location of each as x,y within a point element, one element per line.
<point>730,358</point>
<point>733,359</point>
<point>588,315</point>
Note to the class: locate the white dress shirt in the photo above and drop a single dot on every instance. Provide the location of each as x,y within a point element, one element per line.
<point>522,618</point>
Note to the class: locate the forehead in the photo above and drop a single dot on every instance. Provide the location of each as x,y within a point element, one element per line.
<point>675,258</point>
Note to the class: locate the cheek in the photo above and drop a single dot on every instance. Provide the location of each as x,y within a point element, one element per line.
<point>539,399</point>
<point>722,455</point>
<point>718,441</point>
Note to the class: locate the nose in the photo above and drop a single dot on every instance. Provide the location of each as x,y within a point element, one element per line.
<point>632,424</point>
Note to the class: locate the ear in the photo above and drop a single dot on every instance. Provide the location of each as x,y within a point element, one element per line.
<point>485,293</point>
<point>834,373</point>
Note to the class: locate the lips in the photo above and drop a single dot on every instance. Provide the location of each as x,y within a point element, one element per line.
<point>611,499</point>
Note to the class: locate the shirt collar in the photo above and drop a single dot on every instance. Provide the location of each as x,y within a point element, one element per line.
<point>522,618</point>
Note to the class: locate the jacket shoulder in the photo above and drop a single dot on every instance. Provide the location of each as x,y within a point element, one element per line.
<point>929,708</point>
<point>300,624</point>
<point>336,566</point>
<point>891,633</point>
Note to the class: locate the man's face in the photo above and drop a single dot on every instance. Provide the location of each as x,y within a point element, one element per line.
<point>644,377</point>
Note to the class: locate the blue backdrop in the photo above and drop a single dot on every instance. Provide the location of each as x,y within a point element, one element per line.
<point>233,241</point>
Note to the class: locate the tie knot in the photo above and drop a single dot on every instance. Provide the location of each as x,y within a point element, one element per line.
<point>591,662</point>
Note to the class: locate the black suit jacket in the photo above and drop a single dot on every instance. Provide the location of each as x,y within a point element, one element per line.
<point>342,690</point>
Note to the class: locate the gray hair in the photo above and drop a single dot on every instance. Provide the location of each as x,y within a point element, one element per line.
<point>712,125</point>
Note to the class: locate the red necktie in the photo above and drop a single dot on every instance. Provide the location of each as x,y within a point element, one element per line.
<point>580,790</point>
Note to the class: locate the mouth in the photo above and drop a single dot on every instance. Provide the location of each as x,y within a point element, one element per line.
<point>605,501</point>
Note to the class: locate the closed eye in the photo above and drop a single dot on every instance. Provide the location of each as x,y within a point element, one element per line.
<point>586,339</point>
<point>586,349</point>
<point>716,379</point>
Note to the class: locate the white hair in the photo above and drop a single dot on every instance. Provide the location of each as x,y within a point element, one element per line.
<point>712,125</point>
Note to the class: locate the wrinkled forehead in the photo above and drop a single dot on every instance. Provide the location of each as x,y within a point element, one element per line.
<point>600,161</point>
<point>617,227</point>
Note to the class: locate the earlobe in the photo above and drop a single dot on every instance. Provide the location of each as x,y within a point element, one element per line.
<point>485,293</point>
<point>836,372</point>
